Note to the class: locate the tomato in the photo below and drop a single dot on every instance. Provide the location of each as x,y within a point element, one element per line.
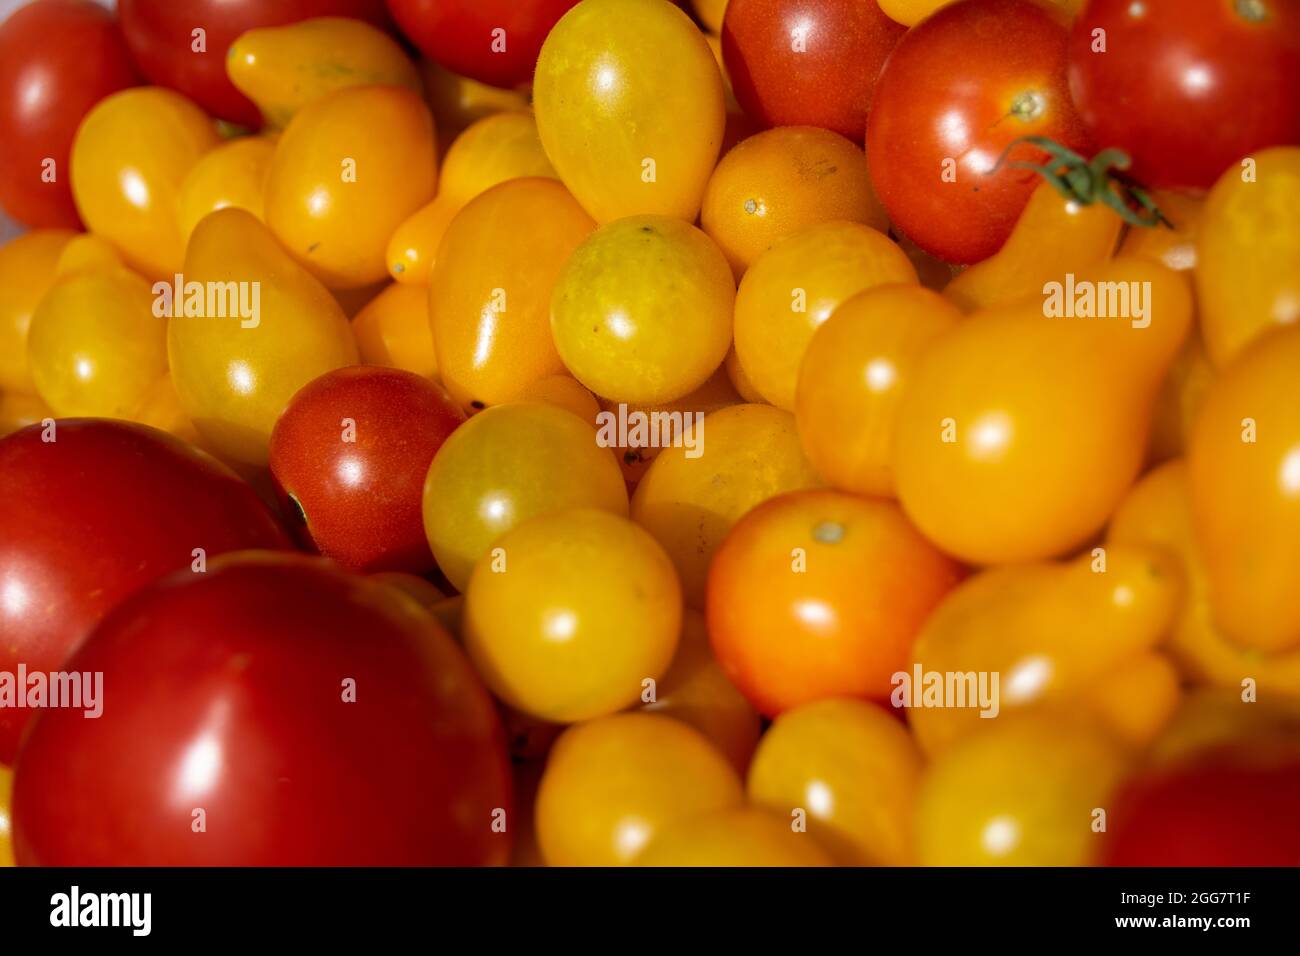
<point>232,174</point>
<point>393,330</point>
<point>818,594</point>
<point>58,58</point>
<point>630,108</point>
<point>6,824</point>
<point>1175,245</point>
<point>504,466</point>
<point>91,516</point>
<point>87,252</point>
<point>161,409</point>
<point>563,391</point>
<point>614,783</point>
<point>18,411</point>
<point>735,837</point>
<point>807,62</point>
<point>642,310</point>
<point>263,694</point>
<point>27,270</point>
<point>457,101</point>
<point>936,134</point>
<point>710,13</point>
<point>1159,75</point>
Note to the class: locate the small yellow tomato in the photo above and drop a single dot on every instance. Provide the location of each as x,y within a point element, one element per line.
<point>27,269</point>
<point>710,13</point>
<point>742,836</point>
<point>232,174</point>
<point>1173,245</point>
<point>1136,700</point>
<point>563,391</point>
<point>87,252</point>
<point>739,380</point>
<point>457,101</point>
<point>161,409</point>
<point>393,329</point>
<point>18,410</point>
<point>6,823</point>
<point>1179,400</point>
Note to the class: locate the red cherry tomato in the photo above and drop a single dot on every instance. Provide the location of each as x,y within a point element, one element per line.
<point>93,515</point>
<point>807,62</point>
<point>1188,88</point>
<point>58,58</point>
<point>349,456</point>
<point>313,716</point>
<point>957,91</point>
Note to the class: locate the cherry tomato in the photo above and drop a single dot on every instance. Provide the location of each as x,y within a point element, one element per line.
<point>27,270</point>
<point>232,174</point>
<point>457,101</point>
<point>710,13</point>
<point>563,391</point>
<point>18,411</point>
<point>393,330</point>
<point>736,837</point>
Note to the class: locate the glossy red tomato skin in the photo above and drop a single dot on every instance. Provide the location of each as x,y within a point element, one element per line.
<point>829,82</point>
<point>361,499</point>
<point>926,112</point>
<point>225,691</point>
<point>458,34</point>
<point>93,516</point>
<point>1177,70</point>
<point>58,58</point>
<point>160,35</point>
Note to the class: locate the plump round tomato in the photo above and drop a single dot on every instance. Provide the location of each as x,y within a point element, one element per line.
<point>392,329</point>
<point>232,174</point>
<point>27,270</point>
<point>736,837</point>
<point>936,133</point>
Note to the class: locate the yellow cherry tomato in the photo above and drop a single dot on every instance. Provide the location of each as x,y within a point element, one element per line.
<point>161,408</point>
<point>563,391</point>
<point>1137,699</point>
<point>614,783</point>
<point>235,374</point>
<point>337,190</point>
<point>642,310</point>
<point>630,108</point>
<point>18,410</point>
<point>129,158</point>
<point>6,824</point>
<point>504,466</point>
<point>87,252</point>
<point>1173,245</point>
<point>795,286</point>
<point>457,101</point>
<point>232,174</point>
<point>490,293</point>
<point>851,770</point>
<point>743,836</point>
<point>393,329</point>
<point>1179,401</point>
<point>739,380</point>
<point>27,269</point>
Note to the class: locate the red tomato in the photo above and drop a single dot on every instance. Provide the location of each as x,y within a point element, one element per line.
<point>492,41</point>
<point>58,58</point>
<point>91,517</point>
<point>313,716</point>
<point>161,36</point>
<point>807,62</point>
<point>349,456</point>
<point>1190,87</point>
<point>960,87</point>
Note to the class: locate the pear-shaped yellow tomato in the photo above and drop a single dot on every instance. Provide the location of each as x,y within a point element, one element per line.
<point>494,149</point>
<point>852,376</point>
<point>457,101</point>
<point>1173,245</point>
<point>284,68</point>
<point>87,252</point>
<point>393,329</point>
<point>642,310</point>
<point>232,174</point>
<point>129,158</point>
<point>743,836</point>
<point>337,189</point>
<point>96,346</point>
<point>563,391</point>
<point>1025,792</point>
<point>851,770</point>
<point>27,269</point>
<point>6,823</point>
<point>1049,632</point>
<point>613,784</point>
<point>490,294</point>
<point>504,466</point>
<point>1245,482</point>
<point>1021,428</point>
<point>692,495</point>
<point>795,286</point>
<point>571,613</point>
<point>253,328</point>
<point>630,108</point>
<point>18,410</point>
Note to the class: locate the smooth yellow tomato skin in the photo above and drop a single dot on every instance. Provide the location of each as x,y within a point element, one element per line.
<point>1179,401</point>
<point>630,108</point>
<point>87,252</point>
<point>743,836</point>
<point>18,410</point>
<point>795,286</point>
<point>1173,245</point>
<point>563,391</point>
<point>161,409</point>
<point>1137,699</point>
<point>392,329</point>
<point>232,174</point>
<point>129,158</point>
<point>457,101</point>
<point>642,310</point>
<point>27,270</point>
<point>710,13</point>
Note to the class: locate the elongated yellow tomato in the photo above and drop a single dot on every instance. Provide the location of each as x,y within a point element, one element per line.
<point>630,108</point>
<point>743,836</point>
<point>284,68</point>
<point>795,286</point>
<point>336,190</point>
<point>1248,252</point>
<point>129,158</point>
<point>393,329</point>
<point>1020,430</point>
<point>232,174</point>
<point>642,311</point>
<point>490,294</point>
<point>282,328</point>
<point>27,269</point>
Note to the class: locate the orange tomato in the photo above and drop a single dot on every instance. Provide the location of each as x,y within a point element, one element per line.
<point>737,837</point>
<point>457,101</point>
<point>393,329</point>
<point>1173,245</point>
<point>161,408</point>
<point>87,252</point>
<point>563,391</point>
<point>27,269</point>
<point>1179,400</point>
<point>232,174</point>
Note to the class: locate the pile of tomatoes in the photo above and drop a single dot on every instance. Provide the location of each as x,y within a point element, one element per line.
<point>309,362</point>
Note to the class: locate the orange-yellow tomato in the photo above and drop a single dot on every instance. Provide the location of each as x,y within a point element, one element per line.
<point>27,269</point>
<point>630,108</point>
<point>6,824</point>
<point>336,190</point>
<point>614,783</point>
<point>490,294</point>
<point>87,252</point>
<point>393,329</point>
<point>1173,245</point>
<point>129,158</point>
<point>1179,401</point>
<point>232,174</point>
<point>563,391</point>
<point>795,286</point>
<point>783,180</point>
<point>742,836</point>
<point>710,13</point>
<point>18,410</point>
<point>1136,700</point>
<point>161,408</point>
<point>504,466</point>
<point>739,380</point>
<point>457,101</point>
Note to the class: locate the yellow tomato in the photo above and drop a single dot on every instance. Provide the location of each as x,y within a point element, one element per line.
<point>235,375</point>
<point>563,391</point>
<point>710,13</point>
<point>795,286</point>
<point>912,12</point>
<point>457,101</point>
<point>630,108</point>
<point>27,269</point>
<point>6,824</point>
<point>743,836</point>
<point>129,158</point>
<point>1179,401</point>
<point>1136,700</point>
<point>613,784</point>
<point>1173,245</point>
<point>337,190</point>
<point>739,380</point>
<point>18,410</point>
<point>87,252</point>
<point>232,174</point>
<point>393,329</point>
<point>161,409</point>
<point>851,770</point>
<point>504,466</point>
